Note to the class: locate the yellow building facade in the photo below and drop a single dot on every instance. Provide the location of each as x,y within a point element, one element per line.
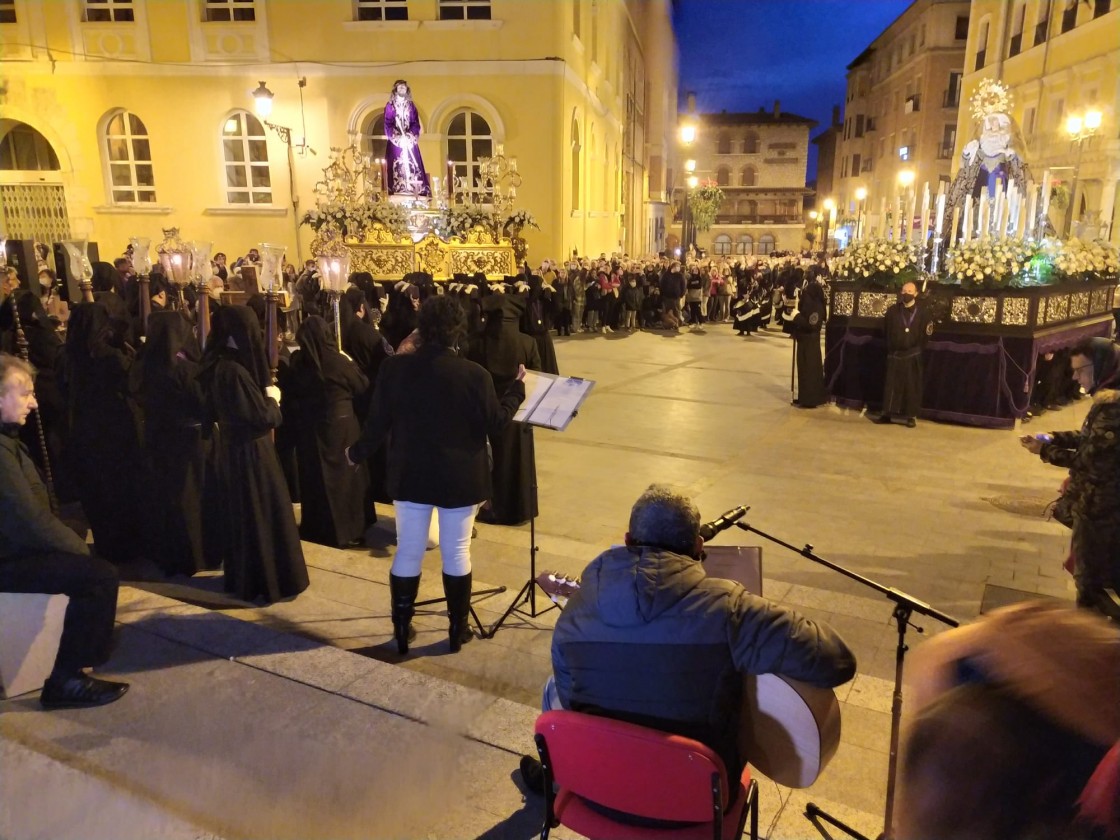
<point>1059,59</point>
<point>122,117</point>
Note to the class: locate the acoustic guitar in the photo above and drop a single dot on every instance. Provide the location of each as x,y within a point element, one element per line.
<point>789,730</point>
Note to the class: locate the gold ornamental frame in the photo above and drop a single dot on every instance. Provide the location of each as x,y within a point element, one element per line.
<point>388,257</point>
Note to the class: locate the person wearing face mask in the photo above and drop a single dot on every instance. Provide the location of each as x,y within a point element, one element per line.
<point>908,326</point>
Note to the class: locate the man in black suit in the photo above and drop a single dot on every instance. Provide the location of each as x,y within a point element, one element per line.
<point>39,554</point>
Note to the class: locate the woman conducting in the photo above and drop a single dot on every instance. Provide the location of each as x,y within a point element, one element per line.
<point>436,410</point>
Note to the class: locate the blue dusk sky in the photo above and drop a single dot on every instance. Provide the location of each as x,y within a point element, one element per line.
<point>737,55</point>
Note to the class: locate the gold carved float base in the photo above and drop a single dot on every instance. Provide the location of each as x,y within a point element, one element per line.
<point>388,257</point>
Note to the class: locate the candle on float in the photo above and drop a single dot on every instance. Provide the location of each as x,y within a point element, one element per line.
<point>911,209</point>
<point>939,223</point>
<point>882,227</point>
<point>451,179</point>
<point>1044,204</point>
<point>983,214</point>
<point>1032,208</point>
<point>384,175</point>
<point>897,227</point>
<point>966,219</point>
<point>925,214</point>
<point>996,209</point>
<point>1021,216</point>
<point>953,227</point>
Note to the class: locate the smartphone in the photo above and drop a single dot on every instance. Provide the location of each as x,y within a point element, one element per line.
<point>1045,438</point>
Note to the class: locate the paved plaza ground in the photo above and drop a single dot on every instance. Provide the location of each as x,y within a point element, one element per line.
<point>300,720</point>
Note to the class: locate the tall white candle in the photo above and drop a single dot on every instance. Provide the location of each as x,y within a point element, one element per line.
<point>983,214</point>
<point>911,209</point>
<point>925,214</point>
<point>1032,209</point>
<point>953,227</point>
<point>966,228</point>
<point>1044,206</point>
<point>939,224</point>
<point>882,227</point>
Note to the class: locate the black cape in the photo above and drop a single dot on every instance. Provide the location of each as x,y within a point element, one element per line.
<point>907,331</point>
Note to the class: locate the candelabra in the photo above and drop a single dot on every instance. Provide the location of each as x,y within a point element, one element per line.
<point>77,258</point>
<point>175,257</point>
<point>271,279</point>
<point>200,276</point>
<point>499,179</point>
<point>333,258</point>
<point>142,265</point>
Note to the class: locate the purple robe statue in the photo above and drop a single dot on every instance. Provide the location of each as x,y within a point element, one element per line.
<point>402,149</point>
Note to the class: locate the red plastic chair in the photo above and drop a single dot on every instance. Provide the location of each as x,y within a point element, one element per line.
<point>638,771</point>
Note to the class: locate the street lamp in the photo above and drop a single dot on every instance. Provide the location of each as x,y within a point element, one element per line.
<point>1079,128</point>
<point>262,104</point>
<point>861,196</point>
<point>827,218</point>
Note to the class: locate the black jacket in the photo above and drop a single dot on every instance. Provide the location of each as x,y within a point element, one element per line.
<point>436,410</point>
<point>27,526</point>
<point>651,639</point>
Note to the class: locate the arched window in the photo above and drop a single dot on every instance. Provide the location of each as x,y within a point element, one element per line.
<point>245,150</point>
<point>129,157</point>
<point>468,139</point>
<point>575,164</point>
<point>723,176</point>
<point>750,143</point>
<point>373,134</point>
<point>745,245</point>
<point>721,245</point>
<point>24,148</point>
<point>723,144</point>
<point>748,176</point>
<point>765,243</point>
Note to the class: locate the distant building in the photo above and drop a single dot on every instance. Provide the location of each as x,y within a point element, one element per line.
<point>1059,59</point>
<point>901,108</point>
<point>759,161</point>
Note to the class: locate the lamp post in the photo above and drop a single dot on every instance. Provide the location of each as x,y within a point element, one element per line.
<point>827,217</point>
<point>861,196</point>
<point>262,101</point>
<point>1079,128</point>
<point>687,135</point>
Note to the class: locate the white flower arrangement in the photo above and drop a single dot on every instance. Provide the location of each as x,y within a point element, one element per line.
<point>458,219</point>
<point>521,219</point>
<point>879,260</point>
<point>989,263</point>
<point>1074,258</point>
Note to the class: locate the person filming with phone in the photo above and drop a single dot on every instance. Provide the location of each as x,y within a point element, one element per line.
<point>1090,501</point>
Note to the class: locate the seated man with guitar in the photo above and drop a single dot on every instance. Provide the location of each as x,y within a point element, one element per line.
<point>650,638</point>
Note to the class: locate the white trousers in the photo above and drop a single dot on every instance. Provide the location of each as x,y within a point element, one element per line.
<point>413,522</point>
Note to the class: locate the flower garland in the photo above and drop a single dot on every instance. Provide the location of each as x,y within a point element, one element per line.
<point>458,219</point>
<point>1075,259</point>
<point>521,219</point>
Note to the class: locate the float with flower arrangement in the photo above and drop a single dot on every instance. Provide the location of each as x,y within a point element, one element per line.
<point>1002,289</point>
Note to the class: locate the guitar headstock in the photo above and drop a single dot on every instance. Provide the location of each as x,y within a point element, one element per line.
<point>558,586</point>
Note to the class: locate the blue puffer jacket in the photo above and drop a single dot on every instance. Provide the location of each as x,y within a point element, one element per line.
<point>651,639</point>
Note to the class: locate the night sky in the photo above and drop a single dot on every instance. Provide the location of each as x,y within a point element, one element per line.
<point>739,54</point>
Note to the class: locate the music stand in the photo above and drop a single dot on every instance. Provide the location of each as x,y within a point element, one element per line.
<point>550,402</point>
<point>904,607</point>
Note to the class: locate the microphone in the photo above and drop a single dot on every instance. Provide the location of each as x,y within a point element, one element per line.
<point>709,529</point>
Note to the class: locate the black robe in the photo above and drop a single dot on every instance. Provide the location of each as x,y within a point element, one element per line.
<point>907,331</point>
<point>177,447</point>
<point>368,348</point>
<point>806,330</point>
<point>252,513</point>
<point>323,386</point>
<point>501,349</point>
<point>103,448</point>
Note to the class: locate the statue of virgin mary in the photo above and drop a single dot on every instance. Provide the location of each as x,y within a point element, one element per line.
<point>402,149</point>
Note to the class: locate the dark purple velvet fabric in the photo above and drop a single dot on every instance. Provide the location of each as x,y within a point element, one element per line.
<point>406,168</point>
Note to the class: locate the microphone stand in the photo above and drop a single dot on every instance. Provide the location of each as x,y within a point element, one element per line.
<point>904,607</point>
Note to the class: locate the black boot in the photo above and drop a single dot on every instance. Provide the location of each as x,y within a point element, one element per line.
<point>458,592</point>
<point>402,595</point>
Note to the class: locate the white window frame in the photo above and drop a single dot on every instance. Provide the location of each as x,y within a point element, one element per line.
<point>722,245</point>
<point>244,138</point>
<point>469,167</point>
<point>373,143</point>
<point>381,6</point>
<point>763,241</point>
<point>130,161</point>
<point>113,7</point>
<point>744,246</point>
<point>464,6</point>
<point>230,7</point>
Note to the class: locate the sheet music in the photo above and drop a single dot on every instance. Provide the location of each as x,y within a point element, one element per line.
<point>551,401</point>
